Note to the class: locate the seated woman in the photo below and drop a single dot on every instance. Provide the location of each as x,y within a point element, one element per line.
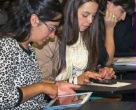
<point>117,10</point>
<point>124,37</point>
<point>21,84</point>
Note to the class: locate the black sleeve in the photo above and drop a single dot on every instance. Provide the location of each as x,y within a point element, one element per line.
<point>124,36</point>
<point>122,29</point>
<point>103,55</point>
<point>20,96</point>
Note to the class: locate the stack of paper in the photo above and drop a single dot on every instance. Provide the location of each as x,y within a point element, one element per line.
<point>130,61</point>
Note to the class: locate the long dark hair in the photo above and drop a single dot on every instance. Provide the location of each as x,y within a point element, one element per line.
<point>70,33</point>
<point>19,16</point>
<point>127,5</point>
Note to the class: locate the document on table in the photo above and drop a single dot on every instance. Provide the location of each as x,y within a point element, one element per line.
<point>118,84</point>
<point>124,61</point>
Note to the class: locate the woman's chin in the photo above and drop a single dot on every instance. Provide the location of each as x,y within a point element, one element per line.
<point>83,29</point>
<point>40,43</point>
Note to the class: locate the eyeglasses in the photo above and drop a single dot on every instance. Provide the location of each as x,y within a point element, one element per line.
<point>50,28</point>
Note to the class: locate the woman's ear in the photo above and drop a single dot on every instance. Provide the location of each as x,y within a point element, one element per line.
<point>34,20</point>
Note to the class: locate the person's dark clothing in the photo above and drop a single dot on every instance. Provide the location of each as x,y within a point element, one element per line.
<point>103,55</point>
<point>124,36</point>
<point>134,20</point>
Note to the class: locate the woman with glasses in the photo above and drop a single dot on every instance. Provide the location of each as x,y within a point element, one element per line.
<point>21,84</point>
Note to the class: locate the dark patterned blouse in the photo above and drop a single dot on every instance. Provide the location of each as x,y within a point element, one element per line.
<point>18,68</point>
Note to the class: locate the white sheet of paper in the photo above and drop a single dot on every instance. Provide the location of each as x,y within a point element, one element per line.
<point>130,61</point>
<point>118,84</point>
<point>126,59</point>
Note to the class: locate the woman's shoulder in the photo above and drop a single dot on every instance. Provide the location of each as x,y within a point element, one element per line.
<point>7,41</point>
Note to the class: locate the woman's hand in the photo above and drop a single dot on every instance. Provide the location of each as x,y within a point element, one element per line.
<point>110,20</point>
<point>66,88</point>
<point>85,77</point>
<point>107,73</point>
<point>50,89</point>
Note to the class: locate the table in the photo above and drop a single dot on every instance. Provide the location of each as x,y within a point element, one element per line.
<point>123,68</point>
<point>107,106</point>
<point>108,91</point>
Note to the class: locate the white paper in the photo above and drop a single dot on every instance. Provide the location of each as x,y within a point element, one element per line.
<point>125,64</point>
<point>118,84</point>
<point>125,61</point>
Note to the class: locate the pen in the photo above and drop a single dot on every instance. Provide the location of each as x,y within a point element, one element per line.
<point>101,12</point>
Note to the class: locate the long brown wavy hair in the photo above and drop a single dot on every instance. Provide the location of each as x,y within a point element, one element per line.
<point>70,33</point>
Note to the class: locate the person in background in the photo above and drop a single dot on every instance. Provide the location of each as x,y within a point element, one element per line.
<point>125,46</point>
<point>117,9</point>
<point>124,36</point>
<point>21,84</point>
<point>80,45</point>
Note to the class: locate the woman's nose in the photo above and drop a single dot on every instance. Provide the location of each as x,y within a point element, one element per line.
<point>89,20</point>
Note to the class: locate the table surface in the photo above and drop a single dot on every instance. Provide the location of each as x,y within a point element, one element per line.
<point>122,68</point>
<point>108,106</point>
<point>108,91</point>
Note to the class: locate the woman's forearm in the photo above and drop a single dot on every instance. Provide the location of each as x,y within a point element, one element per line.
<point>31,91</point>
<point>110,46</point>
